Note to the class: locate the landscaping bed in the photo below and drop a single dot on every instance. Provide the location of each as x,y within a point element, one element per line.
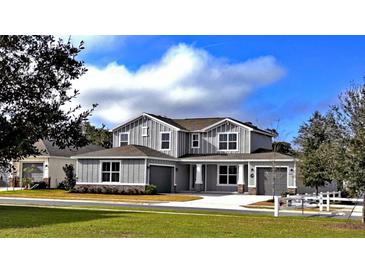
<point>62,194</point>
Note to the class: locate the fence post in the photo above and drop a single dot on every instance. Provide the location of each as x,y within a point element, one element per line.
<point>276,206</point>
<point>328,201</point>
<point>321,202</point>
<point>339,194</point>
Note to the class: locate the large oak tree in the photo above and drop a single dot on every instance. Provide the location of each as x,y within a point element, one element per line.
<point>36,75</point>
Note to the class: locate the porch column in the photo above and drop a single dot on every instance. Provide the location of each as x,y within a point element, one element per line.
<point>240,180</point>
<point>198,177</point>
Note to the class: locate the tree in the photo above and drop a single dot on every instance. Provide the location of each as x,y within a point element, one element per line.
<point>315,142</point>
<point>283,147</point>
<point>98,136</point>
<point>36,74</point>
<point>350,114</point>
<point>70,179</point>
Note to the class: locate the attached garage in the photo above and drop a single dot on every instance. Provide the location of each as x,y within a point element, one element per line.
<point>34,171</point>
<point>162,177</point>
<point>265,176</point>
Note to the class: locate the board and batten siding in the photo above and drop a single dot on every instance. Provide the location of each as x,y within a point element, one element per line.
<point>153,140</point>
<point>209,140</point>
<point>131,171</point>
<point>260,141</point>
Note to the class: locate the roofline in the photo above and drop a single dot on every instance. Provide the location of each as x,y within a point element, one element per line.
<point>182,159</point>
<point>151,117</point>
<point>237,160</point>
<point>125,157</point>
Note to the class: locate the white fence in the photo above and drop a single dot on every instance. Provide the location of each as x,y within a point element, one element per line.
<point>323,199</point>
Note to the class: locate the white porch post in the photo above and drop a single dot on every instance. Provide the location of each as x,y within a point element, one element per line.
<point>198,177</point>
<point>240,179</point>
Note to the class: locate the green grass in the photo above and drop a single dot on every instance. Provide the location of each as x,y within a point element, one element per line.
<point>28,221</point>
<point>62,194</point>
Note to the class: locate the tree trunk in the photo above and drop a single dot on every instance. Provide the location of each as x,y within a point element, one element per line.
<point>317,190</point>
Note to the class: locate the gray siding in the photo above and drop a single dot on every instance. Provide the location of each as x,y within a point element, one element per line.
<point>153,140</point>
<point>212,181</point>
<point>182,177</point>
<point>209,140</point>
<point>260,141</point>
<point>132,171</point>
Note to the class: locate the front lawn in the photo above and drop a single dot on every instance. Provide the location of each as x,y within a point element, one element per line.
<point>62,194</point>
<point>28,221</point>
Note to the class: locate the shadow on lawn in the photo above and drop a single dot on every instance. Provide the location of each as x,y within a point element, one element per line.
<point>27,217</point>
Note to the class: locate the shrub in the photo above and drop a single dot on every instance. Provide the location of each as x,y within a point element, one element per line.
<point>70,179</point>
<point>61,185</point>
<point>150,190</point>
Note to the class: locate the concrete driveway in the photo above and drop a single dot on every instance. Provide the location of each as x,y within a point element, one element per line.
<point>220,201</point>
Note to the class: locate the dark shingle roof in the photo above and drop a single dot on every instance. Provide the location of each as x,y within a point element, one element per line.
<point>194,124</point>
<point>238,156</point>
<point>126,151</point>
<point>47,148</point>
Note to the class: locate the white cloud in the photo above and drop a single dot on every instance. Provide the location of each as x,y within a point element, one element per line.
<point>185,82</point>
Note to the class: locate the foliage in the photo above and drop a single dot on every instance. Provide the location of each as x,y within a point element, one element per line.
<point>317,141</point>
<point>151,190</point>
<point>70,179</point>
<point>36,75</point>
<point>350,114</point>
<point>98,136</point>
<point>283,147</point>
<point>61,185</point>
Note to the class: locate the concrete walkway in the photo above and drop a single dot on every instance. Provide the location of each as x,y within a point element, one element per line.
<point>220,201</point>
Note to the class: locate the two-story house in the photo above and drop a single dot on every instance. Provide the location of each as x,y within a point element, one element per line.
<point>195,154</point>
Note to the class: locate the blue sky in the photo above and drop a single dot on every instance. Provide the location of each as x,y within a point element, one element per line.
<point>253,78</point>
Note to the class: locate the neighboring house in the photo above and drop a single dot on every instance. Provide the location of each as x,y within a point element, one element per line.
<point>197,154</point>
<point>48,165</point>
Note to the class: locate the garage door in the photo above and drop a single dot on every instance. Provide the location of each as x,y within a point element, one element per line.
<point>162,177</point>
<point>265,181</point>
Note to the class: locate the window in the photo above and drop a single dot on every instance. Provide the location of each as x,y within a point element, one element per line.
<point>124,139</point>
<point>165,140</point>
<point>144,131</point>
<point>195,140</point>
<point>110,171</point>
<point>228,141</point>
<point>227,175</point>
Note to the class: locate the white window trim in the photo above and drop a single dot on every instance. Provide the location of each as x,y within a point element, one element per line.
<point>120,134</point>
<point>237,147</point>
<point>218,182</point>
<point>165,149</point>
<point>145,134</point>
<point>192,140</point>
<point>101,172</point>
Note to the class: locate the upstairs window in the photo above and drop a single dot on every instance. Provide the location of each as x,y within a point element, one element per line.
<point>228,141</point>
<point>165,140</point>
<point>195,140</point>
<point>124,139</point>
<point>144,131</point>
<point>110,172</point>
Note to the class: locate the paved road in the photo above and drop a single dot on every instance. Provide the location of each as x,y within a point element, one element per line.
<point>44,202</point>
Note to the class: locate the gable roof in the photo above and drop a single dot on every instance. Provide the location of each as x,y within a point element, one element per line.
<point>125,151</point>
<point>48,149</point>
<point>197,124</point>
